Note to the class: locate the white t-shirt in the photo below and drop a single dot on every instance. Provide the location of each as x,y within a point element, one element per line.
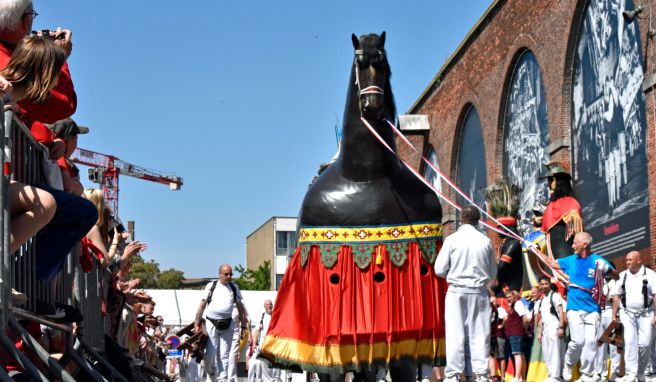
<point>549,321</point>
<point>265,328</point>
<point>223,301</point>
<point>634,297</point>
<point>520,308</point>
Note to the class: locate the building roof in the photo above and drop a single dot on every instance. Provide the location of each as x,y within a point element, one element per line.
<point>268,220</point>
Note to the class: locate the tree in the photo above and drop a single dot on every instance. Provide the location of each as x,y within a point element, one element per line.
<point>258,279</point>
<point>151,277</point>
<point>170,279</point>
<point>146,271</point>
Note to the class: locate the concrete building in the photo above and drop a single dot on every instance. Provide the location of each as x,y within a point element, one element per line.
<point>275,240</point>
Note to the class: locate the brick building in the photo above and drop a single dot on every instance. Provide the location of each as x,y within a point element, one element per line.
<point>568,80</point>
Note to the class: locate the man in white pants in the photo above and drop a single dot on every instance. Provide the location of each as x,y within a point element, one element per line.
<point>222,297</point>
<point>582,308</point>
<point>468,263</point>
<point>260,370</point>
<point>606,350</point>
<point>633,298</point>
<point>551,328</point>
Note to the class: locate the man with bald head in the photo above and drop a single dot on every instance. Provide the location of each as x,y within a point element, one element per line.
<point>633,299</point>
<point>261,370</point>
<point>582,309</point>
<point>222,297</point>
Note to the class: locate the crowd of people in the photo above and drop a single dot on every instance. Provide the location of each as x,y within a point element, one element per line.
<point>63,218</point>
<point>567,326</point>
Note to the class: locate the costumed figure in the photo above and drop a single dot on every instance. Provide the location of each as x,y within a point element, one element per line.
<point>538,238</point>
<point>562,217</point>
<point>359,294</point>
<point>503,203</point>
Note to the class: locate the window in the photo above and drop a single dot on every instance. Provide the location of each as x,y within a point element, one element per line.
<point>471,174</point>
<point>526,137</point>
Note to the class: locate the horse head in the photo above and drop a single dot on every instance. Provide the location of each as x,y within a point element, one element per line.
<point>372,74</point>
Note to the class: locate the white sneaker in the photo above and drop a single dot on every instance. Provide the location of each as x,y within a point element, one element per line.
<point>567,373</point>
<point>586,378</point>
<point>627,378</point>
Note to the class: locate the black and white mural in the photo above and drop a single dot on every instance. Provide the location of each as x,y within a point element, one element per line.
<point>431,175</point>
<point>471,171</point>
<point>526,137</point>
<point>608,131</point>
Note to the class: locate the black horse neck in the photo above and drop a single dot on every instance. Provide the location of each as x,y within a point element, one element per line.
<point>362,157</point>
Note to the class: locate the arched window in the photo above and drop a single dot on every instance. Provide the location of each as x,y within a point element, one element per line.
<point>526,137</point>
<point>471,171</point>
<point>608,129</point>
<point>430,174</point>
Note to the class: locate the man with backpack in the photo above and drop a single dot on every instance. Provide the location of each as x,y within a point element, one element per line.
<point>633,299</point>
<point>222,297</point>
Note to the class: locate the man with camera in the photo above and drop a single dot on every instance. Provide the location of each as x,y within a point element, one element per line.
<point>222,297</point>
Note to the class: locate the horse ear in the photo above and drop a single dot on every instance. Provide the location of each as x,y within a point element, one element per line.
<point>382,39</point>
<point>356,42</point>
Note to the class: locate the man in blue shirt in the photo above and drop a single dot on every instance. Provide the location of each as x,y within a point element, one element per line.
<point>582,308</point>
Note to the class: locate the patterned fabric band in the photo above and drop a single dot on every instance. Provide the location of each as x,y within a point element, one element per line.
<point>368,234</point>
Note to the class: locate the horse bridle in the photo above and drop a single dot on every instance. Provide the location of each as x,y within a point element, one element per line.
<point>373,89</point>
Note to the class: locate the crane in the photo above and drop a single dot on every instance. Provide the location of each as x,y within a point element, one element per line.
<point>105,169</point>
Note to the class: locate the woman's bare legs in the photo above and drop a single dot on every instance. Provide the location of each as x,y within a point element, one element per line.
<point>31,209</point>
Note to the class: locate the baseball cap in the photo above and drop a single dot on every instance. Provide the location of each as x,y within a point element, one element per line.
<point>67,128</point>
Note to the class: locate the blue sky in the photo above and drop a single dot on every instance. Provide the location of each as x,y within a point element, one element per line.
<point>240,98</point>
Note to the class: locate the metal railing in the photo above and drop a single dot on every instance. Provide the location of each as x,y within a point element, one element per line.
<point>22,159</point>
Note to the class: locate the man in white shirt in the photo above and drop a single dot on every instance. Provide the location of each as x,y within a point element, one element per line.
<point>633,297</point>
<point>607,349</point>
<point>222,297</point>
<point>468,263</point>
<point>551,329</point>
<point>260,370</point>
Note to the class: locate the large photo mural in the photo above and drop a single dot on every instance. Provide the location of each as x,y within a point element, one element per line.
<point>526,137</point>
<point>608,129</point>
<point>471,170</point>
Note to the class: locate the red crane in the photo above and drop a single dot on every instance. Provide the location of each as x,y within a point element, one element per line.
<point>105,170</point>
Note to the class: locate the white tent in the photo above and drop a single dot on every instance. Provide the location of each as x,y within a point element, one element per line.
<point>178,307</point>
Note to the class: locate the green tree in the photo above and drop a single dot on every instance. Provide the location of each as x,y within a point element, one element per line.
<point>151,277</point>
<point>146,271</point>
<point>258,279</point>
<point>170,279</point>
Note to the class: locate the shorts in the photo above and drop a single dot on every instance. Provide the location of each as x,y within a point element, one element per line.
<point>498,348</point>
<point>516,344</point>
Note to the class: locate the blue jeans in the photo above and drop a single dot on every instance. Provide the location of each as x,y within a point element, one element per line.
<point>73,219</point>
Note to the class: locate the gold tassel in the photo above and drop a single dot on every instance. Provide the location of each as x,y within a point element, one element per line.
<point>379,257</point>
<point>574,223</point>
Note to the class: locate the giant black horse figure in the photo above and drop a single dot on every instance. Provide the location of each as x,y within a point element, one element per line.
<point>360,294</point>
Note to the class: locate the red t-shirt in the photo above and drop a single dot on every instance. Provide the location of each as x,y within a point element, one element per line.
<point>62,102</point>
<point>34,329</point>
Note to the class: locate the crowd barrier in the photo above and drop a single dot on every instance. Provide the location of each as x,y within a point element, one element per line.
<point>22,161</point>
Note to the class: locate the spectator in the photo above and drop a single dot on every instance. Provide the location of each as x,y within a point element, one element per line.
<point>468,263</point>
<point>38,57</point>
<point>607,349</point>
<point>551,328</point>
<point>67,131</point>
<point>634,293</point>
<point>515,330</point>
<point>221,299</point>
<point>498,339</point>
<point>16,18</point>
<point>96,240</point>
<point>261,369</point>
<point>582,308</point>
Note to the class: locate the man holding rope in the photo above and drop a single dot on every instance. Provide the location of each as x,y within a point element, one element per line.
<point>582,307</point>
<point>468,263</point>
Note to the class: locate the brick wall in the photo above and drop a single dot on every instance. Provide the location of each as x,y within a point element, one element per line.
<point>480,72</point>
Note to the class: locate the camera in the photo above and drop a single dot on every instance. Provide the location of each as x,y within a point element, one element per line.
<point>47,33</point>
